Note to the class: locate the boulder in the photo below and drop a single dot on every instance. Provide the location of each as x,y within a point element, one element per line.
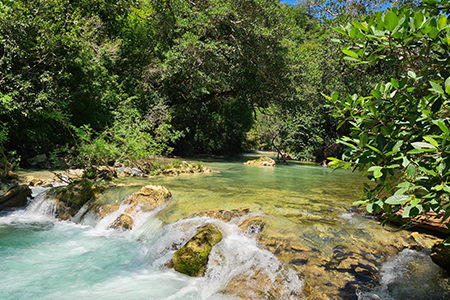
<point>71,198</point>
<point>149,197</point>
<point>123,221</point>
<point>440,255</point>
<point>262,161</point>
<point>192,258</point>
<point>15,197</point>
<point>104,210</point>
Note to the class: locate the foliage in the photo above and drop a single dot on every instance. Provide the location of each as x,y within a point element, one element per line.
<point>399,133</point>
<point>131,140</point>
<point>220,60</point>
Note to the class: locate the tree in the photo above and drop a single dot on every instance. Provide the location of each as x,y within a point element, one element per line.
<point>220,59</point>
<point>399,133</point>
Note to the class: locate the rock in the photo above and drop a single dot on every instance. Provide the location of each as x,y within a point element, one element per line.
<point>106,209</point>
<point>71,198</point>
<point>38,159</point>
<point>31,181</point>
<point>12,175</point>
<point>262,161</point>
<point>423,241</point>
<point>253,226</point>
<point>223,214</point>
<point>15,197</point>
<point>440,255</point>
<point>192,258</point>
<point>124,222</point>
<point>149,197</point>
<point>260,284</point>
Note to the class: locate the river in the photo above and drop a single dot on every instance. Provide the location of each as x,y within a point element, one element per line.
<point>313,246</point>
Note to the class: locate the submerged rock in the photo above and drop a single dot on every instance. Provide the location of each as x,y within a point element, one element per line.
<point>262,161</point>
<point>16,196</point>
<point>440,255</point>
<point>224,215</point>
<point>192,258</point>
<point>253,226</point>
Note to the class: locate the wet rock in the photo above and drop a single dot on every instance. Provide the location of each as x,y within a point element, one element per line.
<point>16,196</point>
<point>11,175</point>
<point>192,258</point>
<point>147,198</point>
<point>32,181</point>
<point>421,241</point>
<point>261,284</point>
<point>440,255</point>
<point>253,226</point>
<point>69,199</point>
<point>124,222</point>
<point>224,215</point>
<point>262,161</point>
<point>104,210</point>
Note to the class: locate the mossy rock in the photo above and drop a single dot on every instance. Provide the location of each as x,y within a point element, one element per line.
<point>69,199</point>
<point>192,258</point>
<point>440,255</point>
<point>262,161</point>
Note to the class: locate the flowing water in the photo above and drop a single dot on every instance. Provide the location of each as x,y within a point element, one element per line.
<point>313,246</point>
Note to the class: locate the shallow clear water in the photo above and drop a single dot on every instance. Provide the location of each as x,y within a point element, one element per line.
<point>305,206</point>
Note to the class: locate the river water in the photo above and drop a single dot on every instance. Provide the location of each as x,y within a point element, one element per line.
<point>312,246</point>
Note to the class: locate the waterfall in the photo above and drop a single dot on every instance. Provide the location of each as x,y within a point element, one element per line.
<point>41,205</point>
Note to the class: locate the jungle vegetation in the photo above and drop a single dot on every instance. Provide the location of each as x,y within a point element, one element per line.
<point>102,82</point>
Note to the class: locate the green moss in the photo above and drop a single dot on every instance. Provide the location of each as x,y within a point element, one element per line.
<point>192,258</point>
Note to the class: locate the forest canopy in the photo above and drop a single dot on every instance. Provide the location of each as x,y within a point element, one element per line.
<point>98,81</point>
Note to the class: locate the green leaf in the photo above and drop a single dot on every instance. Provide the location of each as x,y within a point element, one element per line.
<point>390,21</point>
<point>412,75</point>
<point>442,22</point>
<point>334,96</point>
<point>394,82</point>
<point>341,31</point>
<point>376,93</point>
<point>411,171</point>
<point>434,32</point>
<point>353,32</point>
<point>429,172</point>
<point>363,138</point>
<point>410,211</point>
<point>447,85</point>
<point>397,199</point>
<point>422,145</point>
<point>432,141</point>
<point>350,53</point>
<point>381,142</point>
<point>436,88</point>
<point>418,19</point>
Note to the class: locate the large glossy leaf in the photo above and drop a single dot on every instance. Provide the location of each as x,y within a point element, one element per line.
<point>442,22</point>
<point>397,199</point>
<point>390,21</point>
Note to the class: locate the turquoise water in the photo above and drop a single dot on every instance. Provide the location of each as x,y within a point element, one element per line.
<point>304,205</point>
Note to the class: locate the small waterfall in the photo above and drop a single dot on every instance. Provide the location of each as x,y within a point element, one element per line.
<point>409,275</point>
<point>236,266</point>
<point>41,205</point>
